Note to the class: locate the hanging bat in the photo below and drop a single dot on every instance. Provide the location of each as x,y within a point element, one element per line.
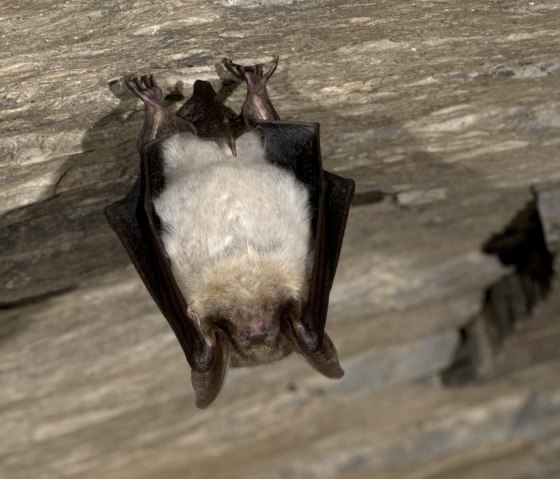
<point>235,229</point>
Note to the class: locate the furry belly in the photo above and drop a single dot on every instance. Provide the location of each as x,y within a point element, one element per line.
<point>237,221</point>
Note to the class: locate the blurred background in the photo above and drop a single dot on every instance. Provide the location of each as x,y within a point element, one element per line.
<point>445,309</point>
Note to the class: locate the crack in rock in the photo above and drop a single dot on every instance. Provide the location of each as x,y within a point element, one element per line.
<point>521,245</point>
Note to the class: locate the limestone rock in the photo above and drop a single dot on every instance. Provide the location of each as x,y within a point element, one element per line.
<point>447,114</point>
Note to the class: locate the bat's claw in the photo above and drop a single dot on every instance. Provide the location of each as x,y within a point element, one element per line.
<point>158,122</point>
<point>145,88</point>
<point>241,71</point>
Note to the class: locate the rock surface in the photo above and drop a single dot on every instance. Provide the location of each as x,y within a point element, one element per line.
<point>447,115</point>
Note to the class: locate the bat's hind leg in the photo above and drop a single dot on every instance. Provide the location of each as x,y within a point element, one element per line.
<point>158,121</point>
<point>257,105</point>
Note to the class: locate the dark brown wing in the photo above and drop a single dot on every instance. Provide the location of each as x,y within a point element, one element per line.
<point>295,146</point>
<point>136,224</point>
<point>133,221</point>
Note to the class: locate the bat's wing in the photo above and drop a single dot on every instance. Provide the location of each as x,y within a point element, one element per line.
<point>295,146</point>
<point>136,224</point>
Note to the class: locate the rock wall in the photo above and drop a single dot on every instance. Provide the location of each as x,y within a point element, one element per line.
<point>445,308</point>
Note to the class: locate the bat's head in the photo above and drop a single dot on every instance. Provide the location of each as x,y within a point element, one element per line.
<point>267,328</point>
<point>257,318</point>
<point>252,324</point>
<point>254,328</point>
<point>249,298</point>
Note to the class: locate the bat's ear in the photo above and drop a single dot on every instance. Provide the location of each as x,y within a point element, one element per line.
<point>207,385</point>
<point>321,357</point>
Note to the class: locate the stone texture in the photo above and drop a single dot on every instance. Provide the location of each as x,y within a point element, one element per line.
<point>447,114</point>
<point>549,210</point>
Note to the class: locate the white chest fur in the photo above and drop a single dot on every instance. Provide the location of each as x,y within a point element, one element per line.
<point>233,227</point>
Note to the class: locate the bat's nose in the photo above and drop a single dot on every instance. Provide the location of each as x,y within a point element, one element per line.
<point>256,332</point>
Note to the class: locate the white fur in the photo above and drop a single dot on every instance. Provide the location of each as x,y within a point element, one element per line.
<point>234,227</point>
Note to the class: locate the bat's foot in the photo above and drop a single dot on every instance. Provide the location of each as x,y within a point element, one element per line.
<point>146,89</point>
<point>158,122</point>
<point>257,105</point>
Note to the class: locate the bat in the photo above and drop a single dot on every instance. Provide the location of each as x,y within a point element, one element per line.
<point>234,228</point>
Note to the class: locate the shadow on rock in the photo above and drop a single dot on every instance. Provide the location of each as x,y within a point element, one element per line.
<point>53,245</point>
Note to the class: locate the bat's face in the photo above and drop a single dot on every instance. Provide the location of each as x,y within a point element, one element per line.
<point>255,331</point>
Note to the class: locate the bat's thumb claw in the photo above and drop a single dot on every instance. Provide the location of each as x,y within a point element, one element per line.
<point>323,359</point>
<point>207,385</point>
